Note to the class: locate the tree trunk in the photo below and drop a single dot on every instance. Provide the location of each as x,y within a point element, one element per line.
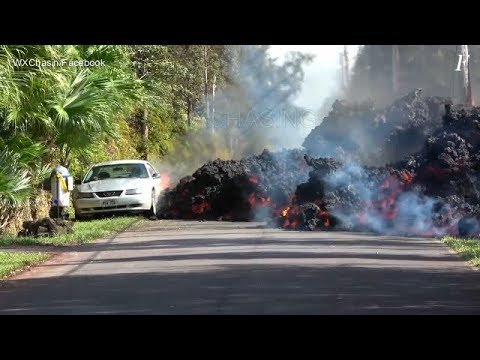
<point>212,120</point>
<point>142,116</point>
<point>466,75</point>
<point>470,100</point>
<point>370,77</point>
<point>205,93</point>
<point>346,66</point>
<point>342,71</point>
<point>144,122</point>
<point>453,83</point>
<point>189,112</point>
<point>395,61</point>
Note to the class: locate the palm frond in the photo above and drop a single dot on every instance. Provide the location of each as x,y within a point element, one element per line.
<point>14,180</point>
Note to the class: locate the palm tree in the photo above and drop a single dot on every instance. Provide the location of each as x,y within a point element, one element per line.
<point>59,108</point>
<point>86,107</point>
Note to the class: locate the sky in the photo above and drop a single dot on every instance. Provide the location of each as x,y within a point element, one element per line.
<point>320,75</point>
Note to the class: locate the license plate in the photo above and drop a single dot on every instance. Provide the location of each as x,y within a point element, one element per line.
<point>109,203</point>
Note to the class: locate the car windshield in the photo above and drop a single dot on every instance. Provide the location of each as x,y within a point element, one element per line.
<point>117,171</point>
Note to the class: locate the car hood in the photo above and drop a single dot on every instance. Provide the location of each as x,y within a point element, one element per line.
<point>112,185</point>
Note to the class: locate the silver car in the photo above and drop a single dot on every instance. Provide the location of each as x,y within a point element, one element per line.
<point>124,185</point>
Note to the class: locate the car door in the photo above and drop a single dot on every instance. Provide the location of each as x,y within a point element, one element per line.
<point>156,179</point>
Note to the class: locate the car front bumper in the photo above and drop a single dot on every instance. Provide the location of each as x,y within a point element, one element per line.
<point>99,205</point>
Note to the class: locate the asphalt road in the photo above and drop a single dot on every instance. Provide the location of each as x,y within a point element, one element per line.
<point>172,267</point>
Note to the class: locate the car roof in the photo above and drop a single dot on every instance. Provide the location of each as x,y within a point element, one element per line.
<point>117,162</point>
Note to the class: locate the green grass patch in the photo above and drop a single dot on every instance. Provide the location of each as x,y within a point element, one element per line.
<point>83,231</point>
<point>469,249</point>
<point>14,261</point>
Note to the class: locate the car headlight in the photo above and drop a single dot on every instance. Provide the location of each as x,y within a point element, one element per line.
<point>134,192</point>
<point>85,195</point>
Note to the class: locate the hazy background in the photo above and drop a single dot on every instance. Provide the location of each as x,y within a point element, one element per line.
<point>321,75</point>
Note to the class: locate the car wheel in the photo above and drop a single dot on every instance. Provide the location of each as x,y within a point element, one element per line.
<point>81,217</point>
<point>152,213</point>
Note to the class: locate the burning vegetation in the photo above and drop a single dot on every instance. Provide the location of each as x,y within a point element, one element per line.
<point>428,185</point>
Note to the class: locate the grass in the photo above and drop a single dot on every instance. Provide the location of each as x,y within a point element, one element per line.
<point>469,249</point>
<point>84,231</point>
<point>14,261</point>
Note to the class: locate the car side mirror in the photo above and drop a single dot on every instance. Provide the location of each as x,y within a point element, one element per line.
<point>156,176</point>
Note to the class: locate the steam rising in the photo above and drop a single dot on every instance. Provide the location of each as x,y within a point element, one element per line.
<point>388,207</point>
<point>385,161</point>
<point>252,113</point>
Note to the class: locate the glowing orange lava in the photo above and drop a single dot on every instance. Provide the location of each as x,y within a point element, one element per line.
<point>166,180</point>
<point>200,208</point>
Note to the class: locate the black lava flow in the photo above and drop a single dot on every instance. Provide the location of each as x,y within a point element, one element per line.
<point>236,190</point>
<point>427,146</point>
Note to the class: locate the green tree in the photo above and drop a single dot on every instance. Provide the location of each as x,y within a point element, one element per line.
<point>174,77</point>
<point>48,113</point>
<point>430,67</point>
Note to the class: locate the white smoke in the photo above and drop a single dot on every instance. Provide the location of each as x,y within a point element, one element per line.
<point>392,211</point>
<point>253,112</point>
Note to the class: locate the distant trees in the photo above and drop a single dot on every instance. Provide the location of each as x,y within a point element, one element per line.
<point>177,90</point>
<point>384,72</point>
